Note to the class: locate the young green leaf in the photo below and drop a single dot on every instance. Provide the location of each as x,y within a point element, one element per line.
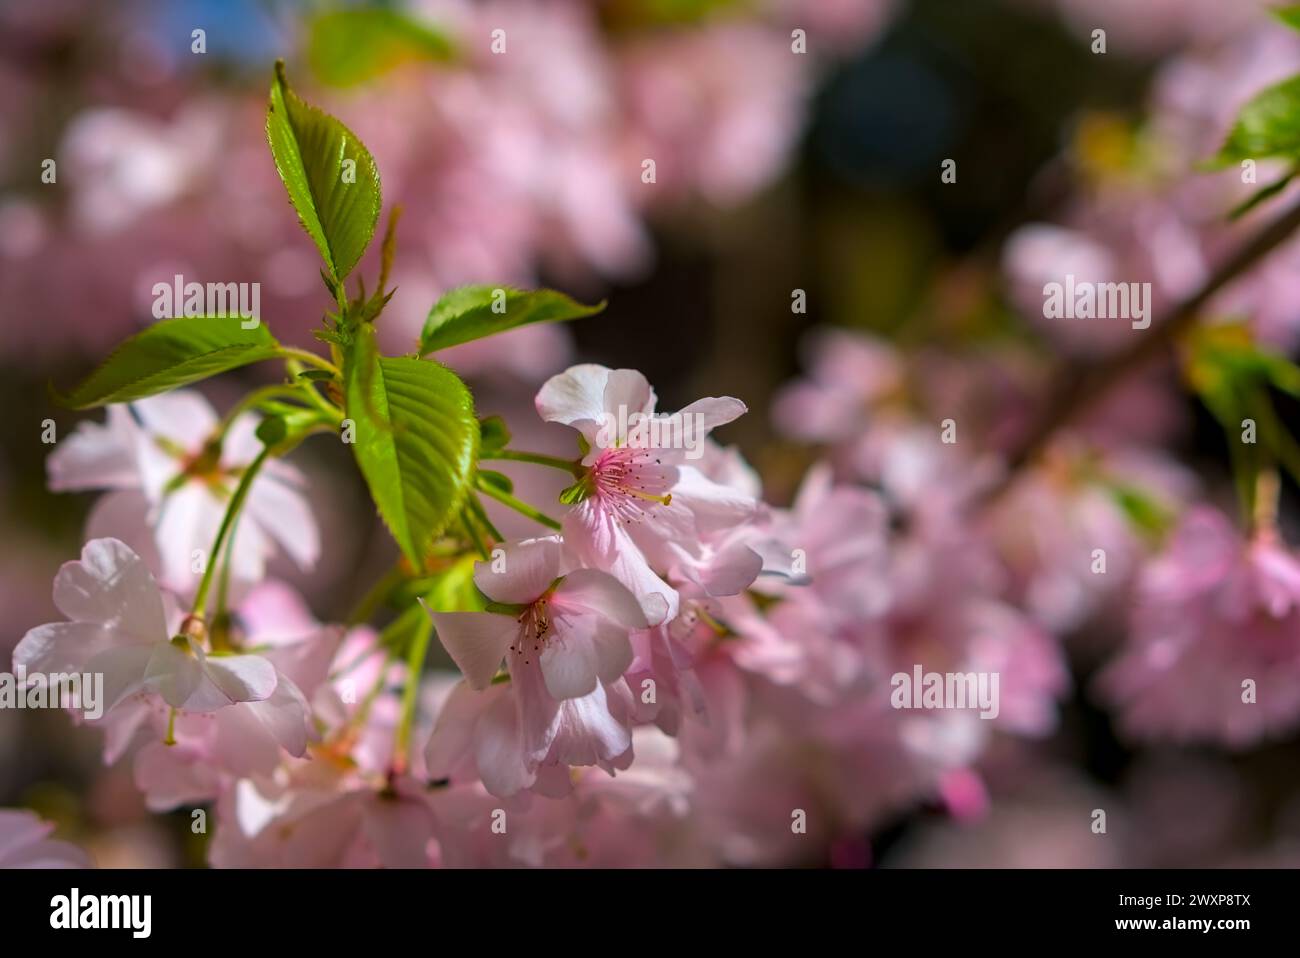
<point>472,312</point>
<point>498,480</point>
<point>169,354</point>
<point>1267,126</point>
<point>350,46</point>
<point>416,440</point>
<point>494,434</point>
<point>330,175</point>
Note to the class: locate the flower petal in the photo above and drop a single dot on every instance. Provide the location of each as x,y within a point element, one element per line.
<point>111,586</point>
<point>601,593</point>
<point>498,751</point>
<point>476,642</point>
<point>522,572</point>
<point>96,456</point>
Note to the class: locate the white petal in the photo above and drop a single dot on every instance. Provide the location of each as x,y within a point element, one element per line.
<point>277,505</point>
<point>476,642</point>
<point>186,523</point>
<point>125,671</point>
<point>172,673</point>
<point>241,678</point>
<point>112,587</point>
<point>96,456</point>
<point>61,646</point>
<point>576,395</point>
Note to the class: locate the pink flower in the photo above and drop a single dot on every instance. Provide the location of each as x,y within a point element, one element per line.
<point>24,843</point>
<point>1082,499</point>
<point>641,506</point>
<point>850,375</point>
<point>190,756</point>
<point>117,627</point>
<point>322,818</point>
<point>1214,611</point>
<point>153,454</point>
<point>574,626</point>
<point>717,108</point>
<point>566,642</point>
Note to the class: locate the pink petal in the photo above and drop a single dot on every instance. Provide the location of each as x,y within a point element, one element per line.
<point>476,642</point>
<point>526,570</point>
<point>498,751</point>
<point>601,593</point>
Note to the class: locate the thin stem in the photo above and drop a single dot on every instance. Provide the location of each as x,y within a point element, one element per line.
<point>410,694</point>
<point>523,508</point>
<point>474,537</point>
<point>481,514</point>
<point>252,400</point>
<point>377,595</point>
<point>303,355</point>
<point>1268,488</point>
<point>223,583</point>
<point>571,466</point>
<point>1077,391</point>
<point>236,503</point>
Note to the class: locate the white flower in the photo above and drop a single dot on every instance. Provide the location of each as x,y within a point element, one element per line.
<point>117,627</point>
<point>153,454</point>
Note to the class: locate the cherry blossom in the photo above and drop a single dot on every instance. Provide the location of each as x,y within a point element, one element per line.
<point>641,505</point>
<point>116,626</point>
<point>157,457</point>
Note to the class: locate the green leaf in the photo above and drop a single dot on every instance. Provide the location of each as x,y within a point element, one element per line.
<point>468,313</point>
<point>1290,15</point>
<point>169,354</point>
<point>1143,510</point>
<point>642,14</point>
<point>330,175</point>
<point>1261,195</point>
<point>271,430</point>
<point>1269,125</point>
<point>494,434</point>
<point>347,47</point>
<point>498,480</point>
<point>416,440</point>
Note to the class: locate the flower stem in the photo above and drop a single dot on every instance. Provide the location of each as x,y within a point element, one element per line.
<point>571,466</point>
<point>523,508</point>
<point>378,594</point>
<point>1267,490</point>
<point>411,694</point>
<point>306,356</point>
<point>232,509</point>
<point>253,399</point>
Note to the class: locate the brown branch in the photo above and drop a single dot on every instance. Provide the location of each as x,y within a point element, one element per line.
<point>1077,390</point>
